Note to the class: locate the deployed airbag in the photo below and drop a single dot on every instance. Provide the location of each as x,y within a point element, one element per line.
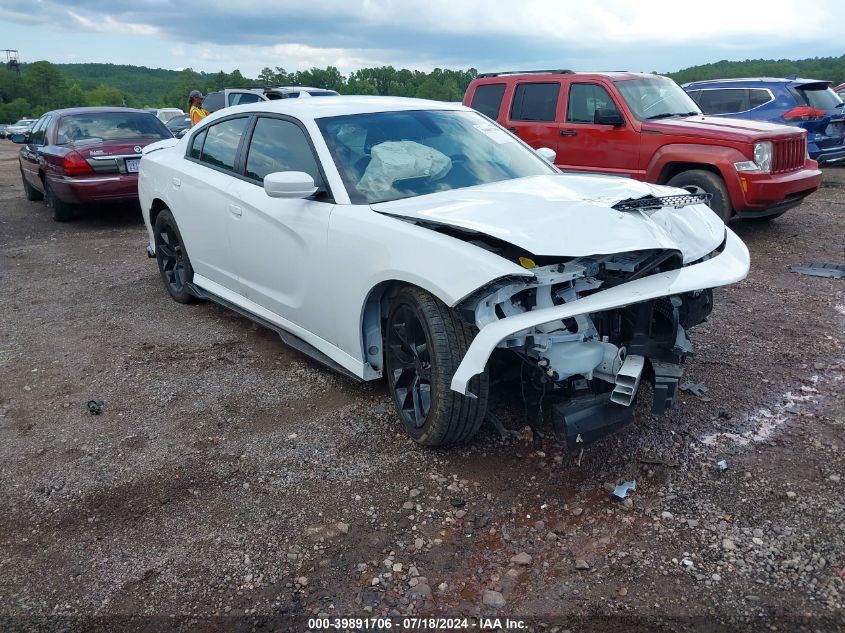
<point>401,160</point>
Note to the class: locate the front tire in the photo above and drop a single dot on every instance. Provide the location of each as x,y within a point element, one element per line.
<point>174,266</point>
<point>32,194</point>
<point>62,211</point>
<point>424,345</point>
<point>701,181</point>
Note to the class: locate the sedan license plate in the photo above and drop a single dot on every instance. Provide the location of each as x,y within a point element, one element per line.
<point>132,165</point>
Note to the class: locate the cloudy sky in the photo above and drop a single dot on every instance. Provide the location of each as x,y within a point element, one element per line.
<point>212,35</point>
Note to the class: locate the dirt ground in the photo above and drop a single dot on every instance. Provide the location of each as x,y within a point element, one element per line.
<point>231,483</point>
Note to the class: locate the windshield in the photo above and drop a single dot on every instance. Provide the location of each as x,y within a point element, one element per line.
<point>391,155</point>
<point>24,121</point>
<point>111,126</point>
<point>656,98</point>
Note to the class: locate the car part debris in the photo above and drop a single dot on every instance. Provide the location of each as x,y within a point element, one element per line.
<point>722,465</point>
<point>95,407</point>
<point>696,389</point>
<point>621,491</point>
<point>820,269</point>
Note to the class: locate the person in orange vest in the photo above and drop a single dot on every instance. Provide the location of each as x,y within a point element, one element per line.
<point>196,111</point>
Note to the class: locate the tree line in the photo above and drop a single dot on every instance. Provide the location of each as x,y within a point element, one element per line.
<point>43,86</point>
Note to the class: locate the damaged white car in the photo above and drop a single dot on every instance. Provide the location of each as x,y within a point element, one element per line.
<point>420,241</point>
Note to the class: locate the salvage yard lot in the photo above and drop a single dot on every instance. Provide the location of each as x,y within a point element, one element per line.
<point>233,482</point>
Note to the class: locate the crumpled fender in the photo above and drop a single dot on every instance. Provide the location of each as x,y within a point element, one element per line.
<point>730,266</point>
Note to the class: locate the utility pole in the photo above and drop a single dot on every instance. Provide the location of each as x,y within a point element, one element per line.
<point>13,60</point>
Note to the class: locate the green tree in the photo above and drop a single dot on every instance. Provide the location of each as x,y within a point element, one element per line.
<point>104,95</point>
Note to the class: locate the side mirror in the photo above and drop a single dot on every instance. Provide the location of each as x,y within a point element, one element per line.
<point>608,116</point>
<point>20,139</point>
<point>547,154</point>
<point>289,184</point>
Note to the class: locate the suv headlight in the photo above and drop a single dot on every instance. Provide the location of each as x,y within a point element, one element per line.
<point>763,155</point>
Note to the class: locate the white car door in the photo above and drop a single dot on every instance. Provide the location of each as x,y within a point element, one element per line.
<point>202,192</point>
<point>279,244</point>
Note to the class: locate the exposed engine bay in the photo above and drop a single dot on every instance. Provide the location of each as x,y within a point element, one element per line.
<point>591,365</point>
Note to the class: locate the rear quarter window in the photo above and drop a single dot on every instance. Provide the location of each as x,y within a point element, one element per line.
<point>213,101</point>
<point>221,143</point>
<point>488,99</point>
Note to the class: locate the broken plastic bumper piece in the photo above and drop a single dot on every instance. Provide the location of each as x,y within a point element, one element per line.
<point>730,266</point>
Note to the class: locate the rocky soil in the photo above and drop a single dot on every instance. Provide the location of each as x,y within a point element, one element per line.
<point>231,483</point>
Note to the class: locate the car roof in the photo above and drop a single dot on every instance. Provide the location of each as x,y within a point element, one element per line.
<point>305,109</point>
<point>753,80</point>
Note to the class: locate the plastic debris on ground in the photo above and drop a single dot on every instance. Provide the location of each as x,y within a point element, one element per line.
<point>722,465</point>
<point>820,269</point>
<point>95,407</point>
<point>621,491</point>
<point>696,389</point>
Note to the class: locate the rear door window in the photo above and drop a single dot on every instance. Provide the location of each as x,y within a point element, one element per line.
<point>488,99</point>
<point>221,143</point>
<point>535,102</point>
<point>279,145</point>
<point>723,100</point>
<point>36,136</point>
<point>584,100</point>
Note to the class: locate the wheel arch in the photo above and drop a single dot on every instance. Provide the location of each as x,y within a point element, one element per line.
<point>672,169</point>
<point>156,206</point>
<point>374,314</point>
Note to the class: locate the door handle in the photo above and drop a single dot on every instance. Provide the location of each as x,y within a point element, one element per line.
<point>515,130</point>
<point>236,210</point>
<point>568,132</point>
<point>176,182</point>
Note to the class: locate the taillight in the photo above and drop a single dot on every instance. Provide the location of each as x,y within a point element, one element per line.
<point>75,165</point>
<point>803,113</point>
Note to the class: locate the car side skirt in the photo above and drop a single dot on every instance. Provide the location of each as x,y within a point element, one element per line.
<point>295,336</point>
<point>730,266</point>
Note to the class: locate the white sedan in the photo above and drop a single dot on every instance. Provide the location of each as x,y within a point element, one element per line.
<point>420,241</point>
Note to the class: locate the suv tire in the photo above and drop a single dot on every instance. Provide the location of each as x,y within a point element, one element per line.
<point>702,181</point>
<point>424,344</point>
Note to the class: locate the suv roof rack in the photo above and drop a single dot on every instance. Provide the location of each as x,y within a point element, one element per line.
<point>561,71</point>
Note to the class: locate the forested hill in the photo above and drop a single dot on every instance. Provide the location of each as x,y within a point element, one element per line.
<point>829,68</point>
<point>43,86</point>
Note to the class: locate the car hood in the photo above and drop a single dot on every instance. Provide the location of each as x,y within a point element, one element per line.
<point>724,128</point>
<point>568,216</point>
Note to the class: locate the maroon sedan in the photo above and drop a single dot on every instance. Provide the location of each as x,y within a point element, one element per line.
<point>85,155</point>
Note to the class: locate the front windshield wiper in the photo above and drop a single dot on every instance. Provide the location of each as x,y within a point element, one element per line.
<point>665,115</point>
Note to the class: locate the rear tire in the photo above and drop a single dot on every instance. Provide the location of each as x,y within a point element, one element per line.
<point>32,194</point>
<point>174,265</point>
<point>701,181</point>
<point>62,211</point>
<point>424,344</point>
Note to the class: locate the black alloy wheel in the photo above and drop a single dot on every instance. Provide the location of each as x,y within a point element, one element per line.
<point>409,352</point>
<point>173,262</point>
<point>425,342</point>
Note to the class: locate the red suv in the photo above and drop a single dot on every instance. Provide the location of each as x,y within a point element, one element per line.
<point>646,127</point>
